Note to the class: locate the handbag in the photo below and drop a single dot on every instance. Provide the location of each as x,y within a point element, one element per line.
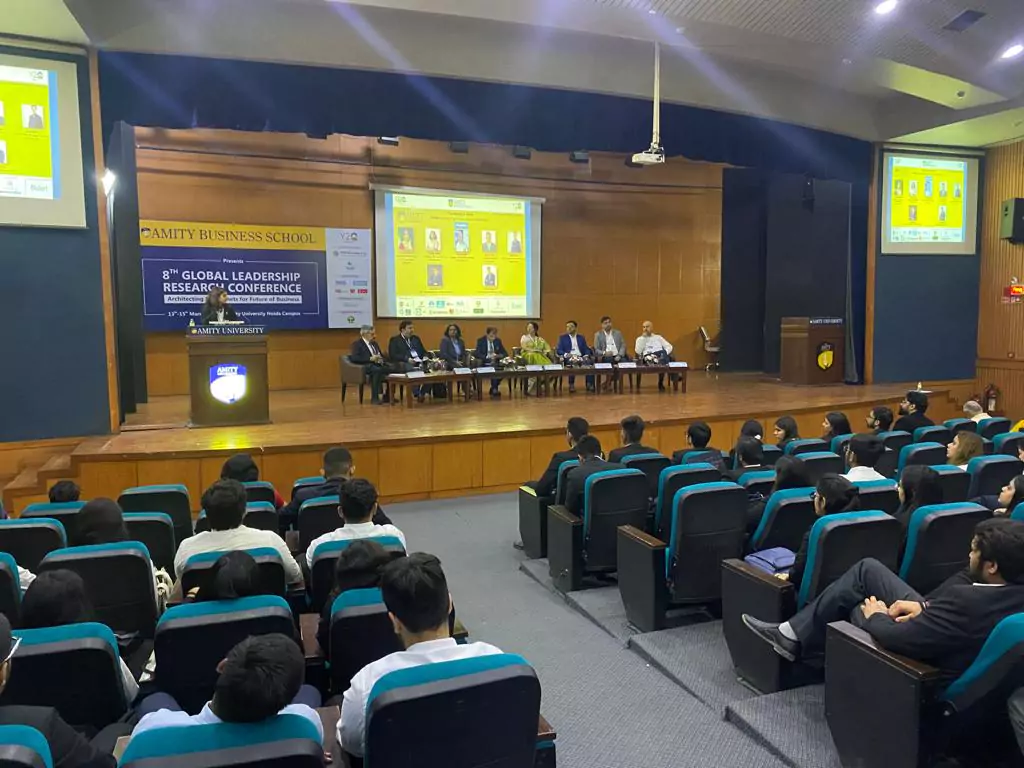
<point>773,561</point>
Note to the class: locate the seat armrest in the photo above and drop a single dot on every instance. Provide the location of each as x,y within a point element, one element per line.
<point>527,490</point>
<point>641,567</point>
<point>565,548</point>
<point>533,522</point>
<point>914,669</point>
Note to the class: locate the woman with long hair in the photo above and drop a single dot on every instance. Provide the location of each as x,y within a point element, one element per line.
<point>786,431</point>
<point>536,351</point>
<point>965,446</point>
<point>833,495</point>
<point>216,308</point>
<point>790,472</point>
<point>453,348</point>
<point>919,486</point>
<point>835,424</point>
<point>1004,502</point>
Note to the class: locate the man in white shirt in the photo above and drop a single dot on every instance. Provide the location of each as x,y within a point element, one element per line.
<point>974,411</point>
<point>357,508</point>
<point>650,343</point>
<point>862,454</point>
<point>259,679</point>
<point>416,595</point>
<point>224,502</point>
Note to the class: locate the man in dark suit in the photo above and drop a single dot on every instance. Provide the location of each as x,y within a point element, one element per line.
<point>366,352</point>
<point>68,748</point>
<point>338,467</point>
<point>632,432</point>
<point>749,456</point>
<point>489,350</point>
<point>879,419</point>
<point>912,411</point>
<point>945,629</point>
<point>698,435</point>
<point>406,352</point>
<point>588,451</point>
<point>571,343</point>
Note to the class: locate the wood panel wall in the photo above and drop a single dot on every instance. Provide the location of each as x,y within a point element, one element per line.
<point>634,244</point>
<point>1001,326</point>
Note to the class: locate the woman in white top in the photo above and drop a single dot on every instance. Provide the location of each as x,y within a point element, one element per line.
<point>965,446</point>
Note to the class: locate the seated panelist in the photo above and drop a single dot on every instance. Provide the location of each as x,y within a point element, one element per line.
<point>609,346</point>
<point>489,350</point>
<point>651,346</point>
<point>216,308</point>
<point>406,352</point>
<point>571,343</point>
<point>453,348</point>
<point>366,352</point>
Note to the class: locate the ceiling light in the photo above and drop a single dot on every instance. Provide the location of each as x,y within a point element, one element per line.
<point>680,30</point>
<point>886,7</point>
<point>1012,51</point>
<point>847,62</point>
<point>652,12</point>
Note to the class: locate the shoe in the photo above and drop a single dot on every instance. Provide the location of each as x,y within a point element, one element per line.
<point>495,394</point>
<point>421,398</point>
<point>782,645</point>
<point>572,390</point>
<point>661,387</point>
<point>518,545</point>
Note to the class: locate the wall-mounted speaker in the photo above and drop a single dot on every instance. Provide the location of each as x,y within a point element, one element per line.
<point>1011,226</point>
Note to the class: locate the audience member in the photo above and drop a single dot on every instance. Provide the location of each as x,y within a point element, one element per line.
<point>974,411</point>
<point>260,678</point>
<point>786,431</point>
<point>965,446</point>
<point>919,486</point>
<point>790,472</point>
<point>357,508</point>
<point>68,748</point>
<point>242,468</point>
<point>632,432</point>
<point>64,491</point>
<point>751,428</point>
<point>698,437</point>
<point>235,574</point>
<point>588,451</point>
<point>835,424</point>
<point>833,495</point>
<point>945,629</point>
<point>575,429</point>
<point>863,452</point>
<point>912,412</point>
<point>358,567</point>
<point>416,595</point>
<point>749,458</point>
<point>879,419</point>
<point>224,502</point>
<point>337,468</point>
<point>1006,500</point>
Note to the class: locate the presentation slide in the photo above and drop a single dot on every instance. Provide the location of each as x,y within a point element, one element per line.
<point>41,175</point>
<point>930,204</point>
<point>457,254</point>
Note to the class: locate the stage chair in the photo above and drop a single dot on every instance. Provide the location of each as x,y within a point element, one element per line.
<point>651,464</point>
<point>993,426</point>
<point>197,570</point>
<point>304,482</point>
<point>960,425</point>
<point>820,463</point>
<point>804,445</point>
<point>156,531</point>
<point>869,690</point>
<point>325,558</point>
<point>351,374</point>
<point>955,482</point>
<point>708,526</point>
<point>1008,443</point>
<point>75,668</point>
<point>879,494</point>
<point>119,581</point>
<point>191,640</point>
<point>758,481</point>
<point>578,546</point>
<point>23,747</point>
<point>936,434</point>
<point>887,463</point>
<point>990,473</point>
<point>921,453</point>
<point>361,633</point>
<point>896,439</point>
<point>64,512</point>
<point>838,446</point>
<point>10,589</point>
<point>787,516</point>
<point>483,710</point>
<point>669,483</point>
<point>262,515</point>
<point>259,490</point>
<point>172,499</point>
<point>29,540</point>
<point>837,542</point>
<point>939,543</point>
<point>317,517</point>
<point>285,741</point>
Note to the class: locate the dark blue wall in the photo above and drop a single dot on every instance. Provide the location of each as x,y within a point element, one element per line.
<point>51,313</point>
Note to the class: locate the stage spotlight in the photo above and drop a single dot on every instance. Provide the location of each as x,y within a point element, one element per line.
<point>523,153</point>
<point>579,156</point>
<point>109,181</point>
<point>459,147</point>
<point>389,141</point>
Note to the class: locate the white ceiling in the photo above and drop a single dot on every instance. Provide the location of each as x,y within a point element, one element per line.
<point>830,64</point>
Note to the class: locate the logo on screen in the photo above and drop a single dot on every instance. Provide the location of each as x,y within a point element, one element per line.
<point>826,356</point>
<point>227,383</point>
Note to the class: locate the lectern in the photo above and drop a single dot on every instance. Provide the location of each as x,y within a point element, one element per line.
<point>813,350</point>
<point>227,375</point>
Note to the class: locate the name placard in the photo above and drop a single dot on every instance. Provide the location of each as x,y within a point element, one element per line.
<point>535,367</point>
<point>485,369</point>
<point>678,365</point>
<point>627,365</point>
<point>415,375</point>
<point>603,366</point>
<point>463,371</point>
<point>552,367</point>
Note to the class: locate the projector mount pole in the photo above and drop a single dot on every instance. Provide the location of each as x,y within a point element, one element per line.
<point>656,136</point>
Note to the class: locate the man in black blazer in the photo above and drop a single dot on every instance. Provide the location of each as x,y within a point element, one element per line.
<point>912,412</point>
<point>945,629</point>
<point>68,748</point>
<point>588,451</point>
<point>338,467</point>
<point>366,352</point>
<point>632,431</point>
<point>406,352</point>
<point>489,350</point>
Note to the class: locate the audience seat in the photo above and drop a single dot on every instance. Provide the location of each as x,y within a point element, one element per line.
<point>993,426</point>
<point>869,690</point>
<point>560,484</point>
<point>786,518</point>
<point>934,434</point>
<point>10,589</point>
<point>325,558</point>
<point>533,516</point>
<point>879,494</point>
<point>75,668</point>
<point>771,454</point>
<point>172,499</point>
<point>305,482</point>
<point>990,473</point>
<point>1008,443</point>
<point>361,632</point>
<point>987,446</point>
<point>317,517</point>
<point>286,741</point>
<point>836,543</point>
<point>921,453</point>
<point>260,490</point>
<point>119,581</point>
<point>896,439</point>
<point>820,463</point>
<point>198,569</point>
<point>669,483</point>
<point>939,543</point>
<point>758,481</point>
<point>888,463</point>
<point>961,425</point>
<point>955,482</point>
<point>29,540</point>
<point>805,445</point>
<point>192,639</point>
<point>263,516</point>
<point>480,711</point>
<point>708,526</point>
<point>64,512</point>
<point>838,444</point>
<point>580,545</point>
<point>156,531</point>
<point>23,747</point>
<point>652,465</point>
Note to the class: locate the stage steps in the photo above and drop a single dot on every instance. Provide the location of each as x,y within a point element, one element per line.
<point>31,484</point>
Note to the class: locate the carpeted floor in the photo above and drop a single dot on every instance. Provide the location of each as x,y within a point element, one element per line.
<point>611,708</point>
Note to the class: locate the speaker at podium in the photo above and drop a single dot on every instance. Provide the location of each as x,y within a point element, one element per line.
<point>227,375</point>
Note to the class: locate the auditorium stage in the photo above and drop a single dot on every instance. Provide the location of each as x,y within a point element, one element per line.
<point>442,449</point>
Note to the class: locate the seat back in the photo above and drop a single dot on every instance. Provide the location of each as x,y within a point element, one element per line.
<point>896,439</point>
<point>288,741</point>
<point>960,425</point>
<point>996,671</point>
<point>771,454</point>
<point>838,542</point>
<point>990,473</point>
<point>172,499</point>
<point>838,444</point>
<point>10,589</point>
<point>786,518</point>
<point>29,540</point>
<point>259,490</point>
<point>198,570</point>
<point>75,668</point>
<point>805,445</point>
<point>993,426</point>
<point>611,498</point>
<point>709,523</point>
<point>65,512</point>
<point>306,482</point>
<point>820,463</point>
<point>879,494</point>
<point>261,515</point>
<point>156,531</point>
<point>325,558</point>
<point>921,453</point>
<point>887,463</point>
<point>361,632</point>
<point>939,543</point>
<point>651,464</point>
<point>23,747</point>
<point>669,482</point>
<point>757,482</point>
<point>933,434</point>
<point>317,517</point>
<point>118,579</point>
<point>480,711</point>
<point>955,482</point>
<point>560,480</point>
<point>1008,443</point>
<point>191,640</point>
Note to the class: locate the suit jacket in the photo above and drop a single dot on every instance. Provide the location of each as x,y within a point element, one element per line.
<point>329,487</point>
<point>68,747</point>
<point>634,449</point>
<point>564,346</point>
<point>359,354</point>
<point>576,482</point>
<point>480,353</point>
<point>620,344</point>
<point>912,421</point>
<point>448,353</point>
<point>400,352</point>
<point>210,314</point>
<point>546,485</point>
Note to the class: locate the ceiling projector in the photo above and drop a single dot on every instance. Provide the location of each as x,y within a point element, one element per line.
<point>655,155</point>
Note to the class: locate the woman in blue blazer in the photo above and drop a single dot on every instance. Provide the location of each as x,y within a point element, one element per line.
<point>453,348</point>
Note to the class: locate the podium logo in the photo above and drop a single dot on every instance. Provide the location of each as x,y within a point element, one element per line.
<point>826,355</point>
<point>227,383</point>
